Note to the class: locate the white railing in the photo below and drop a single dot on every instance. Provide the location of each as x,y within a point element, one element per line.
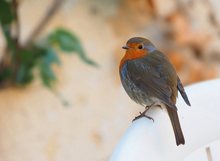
<point>146,140</point>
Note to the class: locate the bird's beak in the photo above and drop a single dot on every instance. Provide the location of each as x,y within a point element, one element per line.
<point>125,47</point>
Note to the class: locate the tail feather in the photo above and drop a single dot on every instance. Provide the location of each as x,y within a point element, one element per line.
<point>176,126</point>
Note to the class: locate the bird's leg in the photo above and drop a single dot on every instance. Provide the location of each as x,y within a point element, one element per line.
<point>143,114</point>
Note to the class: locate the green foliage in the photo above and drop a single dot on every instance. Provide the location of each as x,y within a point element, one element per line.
<point>5,75</point>
<point>40,57</point>
<point>45,66</point>
<point>36,56</point>
<point>6,14</point>
<point>69,43</point>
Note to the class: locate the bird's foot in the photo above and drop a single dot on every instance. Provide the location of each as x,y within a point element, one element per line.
<point>142,114</point>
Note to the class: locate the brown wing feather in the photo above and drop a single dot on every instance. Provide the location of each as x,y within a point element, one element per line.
<point>182,91</point>
<point>157,79</point>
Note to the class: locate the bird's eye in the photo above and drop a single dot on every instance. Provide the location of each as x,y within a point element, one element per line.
<point>140,47</point>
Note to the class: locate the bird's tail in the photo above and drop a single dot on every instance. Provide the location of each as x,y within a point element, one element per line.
<point>176,126</point>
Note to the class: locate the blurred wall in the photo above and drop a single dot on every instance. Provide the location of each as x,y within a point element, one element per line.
<point>35,126</point>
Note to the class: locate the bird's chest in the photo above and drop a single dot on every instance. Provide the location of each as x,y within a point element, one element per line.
<point>133,90</point>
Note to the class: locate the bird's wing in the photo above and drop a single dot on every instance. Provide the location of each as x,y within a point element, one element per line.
<point>182,91</point>
<point>151,79</point>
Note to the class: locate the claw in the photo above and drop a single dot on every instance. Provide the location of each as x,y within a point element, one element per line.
<point>143,114</point>
<point>150,118</point>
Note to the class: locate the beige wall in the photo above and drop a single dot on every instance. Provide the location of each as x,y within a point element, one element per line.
<point>34,126</point>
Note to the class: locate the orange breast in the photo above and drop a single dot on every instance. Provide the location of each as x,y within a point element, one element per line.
<point>132,54</point>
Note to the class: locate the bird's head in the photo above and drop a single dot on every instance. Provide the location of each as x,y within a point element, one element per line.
<point>139,44</point>
<point>137,47</point>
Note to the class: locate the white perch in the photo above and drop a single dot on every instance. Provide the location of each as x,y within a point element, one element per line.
<point>146,140</point>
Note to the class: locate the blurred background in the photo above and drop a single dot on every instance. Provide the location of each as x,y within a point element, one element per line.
<point>60,92</point>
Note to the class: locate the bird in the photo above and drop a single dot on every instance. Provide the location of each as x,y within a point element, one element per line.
<point>150,80</point>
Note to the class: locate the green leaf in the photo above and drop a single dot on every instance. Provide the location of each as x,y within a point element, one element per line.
<point>51,57</point>
<point>26,56</point>
<point>47,75</point>
<point>45,66</point>
<point>5,74</point>
<point>26,60</point>
<point>29,58</point>
<point>6,15</point>
<point>11,44</point>
<point>64,40</point>
<point>24,75</point>
<point>68,43</point>
<point>88,60</point>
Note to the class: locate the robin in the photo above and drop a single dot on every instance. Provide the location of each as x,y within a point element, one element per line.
<point>150,80</point>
